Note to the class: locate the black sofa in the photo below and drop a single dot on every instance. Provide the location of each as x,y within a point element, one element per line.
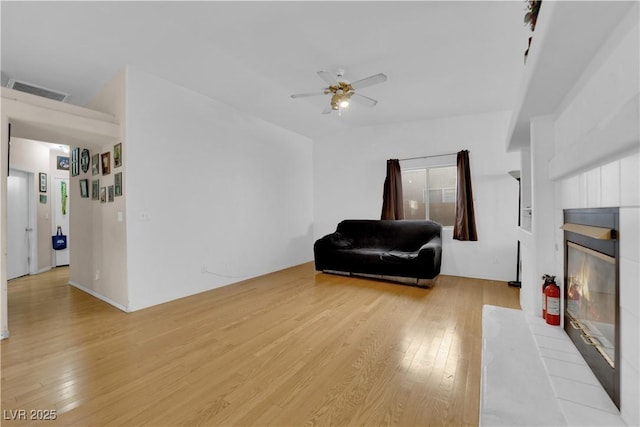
<point>392,249</point>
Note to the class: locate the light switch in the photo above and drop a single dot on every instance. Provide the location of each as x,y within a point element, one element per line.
<point>119,216</point>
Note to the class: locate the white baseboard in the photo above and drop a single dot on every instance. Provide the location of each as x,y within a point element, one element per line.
<point>43,270</point>
<point>99,296</point>
<point>4,335</point>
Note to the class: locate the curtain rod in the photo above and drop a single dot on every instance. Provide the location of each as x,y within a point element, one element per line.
<point>427,157</point>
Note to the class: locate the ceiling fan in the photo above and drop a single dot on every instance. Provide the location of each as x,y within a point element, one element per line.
<point>342,92</point>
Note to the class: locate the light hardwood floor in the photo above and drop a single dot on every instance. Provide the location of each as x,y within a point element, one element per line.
<point>291,348</point>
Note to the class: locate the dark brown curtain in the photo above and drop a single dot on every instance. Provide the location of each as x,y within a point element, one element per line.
<point>465,226</point>
<point>392,196</point>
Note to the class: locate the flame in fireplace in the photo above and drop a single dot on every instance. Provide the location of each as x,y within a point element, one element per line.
<point>584,279</point>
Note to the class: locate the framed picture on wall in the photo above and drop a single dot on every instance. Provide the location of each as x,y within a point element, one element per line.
<point>106,163</point>
<point>85,160</point>
<point>95,164</point>
<point>43,199</point>
<point>62,163</point>
<point>103,194</point>
<point>117,155</point>
<point>95,189</point>
<point>110,188</point>
<point>84,188</point>
<point>43,182</point>
<point>118,184</point>
<point>75,161</point>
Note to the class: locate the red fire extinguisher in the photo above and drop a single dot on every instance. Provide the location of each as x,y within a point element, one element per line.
<point>547,281</point>
<point>552,294</point>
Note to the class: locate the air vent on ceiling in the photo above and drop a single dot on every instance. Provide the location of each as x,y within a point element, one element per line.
<point>37,90</point>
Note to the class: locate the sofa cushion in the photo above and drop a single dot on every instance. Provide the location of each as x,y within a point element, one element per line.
<point>398,256</point>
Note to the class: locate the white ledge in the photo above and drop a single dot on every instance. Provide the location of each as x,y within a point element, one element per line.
<point>610,140</point>
<point>532,374</point>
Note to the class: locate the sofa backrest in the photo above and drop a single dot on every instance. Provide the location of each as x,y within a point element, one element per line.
<point>404,235</point>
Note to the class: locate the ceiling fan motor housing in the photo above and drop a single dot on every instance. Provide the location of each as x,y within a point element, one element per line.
<point>341,90</point>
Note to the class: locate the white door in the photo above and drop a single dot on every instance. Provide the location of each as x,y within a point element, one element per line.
<point>18,227</point>
<point>60,192</point>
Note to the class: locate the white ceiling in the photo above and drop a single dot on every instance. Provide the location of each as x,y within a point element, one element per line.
<point>442,58</point>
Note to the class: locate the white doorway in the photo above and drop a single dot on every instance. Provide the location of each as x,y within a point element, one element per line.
<point>19,223</point>
<point>60,218</point>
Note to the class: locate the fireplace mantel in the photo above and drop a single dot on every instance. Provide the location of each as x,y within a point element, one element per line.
<point>600,233</point>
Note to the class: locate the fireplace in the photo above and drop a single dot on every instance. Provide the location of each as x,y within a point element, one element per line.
<point>591,291</point>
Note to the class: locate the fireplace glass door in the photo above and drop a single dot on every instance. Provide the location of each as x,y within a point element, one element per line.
<point>591,298</point>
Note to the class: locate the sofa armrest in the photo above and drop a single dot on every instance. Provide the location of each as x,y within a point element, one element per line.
<point>431,252</point>
<point>435,242</point>
<point>334,241</point>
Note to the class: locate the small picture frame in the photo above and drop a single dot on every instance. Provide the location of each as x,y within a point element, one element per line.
<point>95,164</point>
<point>95,189</point>
<point>106,163</point>
<point>43,182</point>
<point>62,163</point>
<point>75,161</point>
<point>118,184</point>
<point>110,190</point>
<point>85,160</point>
<point>103,194</point>
<point>43,199</point>
<point>117,155</point>
<point>84,188</point>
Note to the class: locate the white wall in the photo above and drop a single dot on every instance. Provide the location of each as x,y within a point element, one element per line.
<point>350,167</point>
<point>99,257</point>
<point>214,195</point>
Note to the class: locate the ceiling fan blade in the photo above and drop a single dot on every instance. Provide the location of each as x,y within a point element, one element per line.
<point>327,77</point>
<point>327,109</point>
<point>369,81</point>
<point>304,95</point>
<point>364,100</point>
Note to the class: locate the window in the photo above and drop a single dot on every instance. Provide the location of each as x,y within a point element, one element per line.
<point>430,193</point>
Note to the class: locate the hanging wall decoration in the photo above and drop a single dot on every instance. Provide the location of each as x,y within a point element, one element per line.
<point>95,189</point>
<point>75,161</point>
<point>85,160</point>
<point>117,155</point>
<point>106,163</point>
<point>95,164</point>
<point>63,198</point>
<point>118,184</point>
<point>43,182</point>
<point>84,188</point>
<point>62,163</point>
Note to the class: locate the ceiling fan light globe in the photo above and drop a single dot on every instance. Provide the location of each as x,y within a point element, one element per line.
<point>344,103</point>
